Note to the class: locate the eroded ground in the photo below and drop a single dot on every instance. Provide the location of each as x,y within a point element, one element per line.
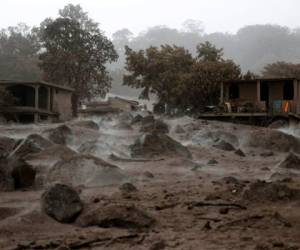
<point>210,201</point>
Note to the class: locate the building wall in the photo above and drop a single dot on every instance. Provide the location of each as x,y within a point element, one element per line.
<point>62,104</point>
<point>248,91</point>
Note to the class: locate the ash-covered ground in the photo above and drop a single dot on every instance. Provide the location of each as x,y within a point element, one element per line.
<point>134,181</point>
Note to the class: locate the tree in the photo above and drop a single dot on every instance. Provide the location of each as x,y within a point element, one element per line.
<point>19,49</point>
<point>160,71</point>
<point>178,79</point>
<point>76,53</point>
<point>281,69</point>
<point>208,52</point>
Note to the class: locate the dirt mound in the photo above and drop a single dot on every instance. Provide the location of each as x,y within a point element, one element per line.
<point>273,140</point>
<point>115,215</point>
<point>223,145</point>
<point>262,191</point>
<point>87,124</point>
<point>153,144</point>
<point>59,135</point>
<point>292,161</point>
<point>62,203</point>
<point>85,170</point>
<point>32,144</point>
<point>7,145</point>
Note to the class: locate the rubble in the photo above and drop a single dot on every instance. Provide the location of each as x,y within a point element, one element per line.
<point>223,145</point>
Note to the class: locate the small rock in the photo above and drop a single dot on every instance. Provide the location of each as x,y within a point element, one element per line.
<point>267,154</point>
<point>128,188</point>
<point>224,210</point>
<point>148,174</point>
<point>212,162</point>
<point>240,153</point>
<point>158,245</point>
<point>223,145</point>
<point>62,203</point>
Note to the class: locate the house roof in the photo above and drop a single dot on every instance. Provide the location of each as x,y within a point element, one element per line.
<point>261,80</point>
<point>48,84</point>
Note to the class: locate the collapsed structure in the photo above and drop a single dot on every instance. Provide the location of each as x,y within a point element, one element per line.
<point>112,105</point>
<point>37,101</point>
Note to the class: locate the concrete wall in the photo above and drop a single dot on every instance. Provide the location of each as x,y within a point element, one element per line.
<point>62,104</point>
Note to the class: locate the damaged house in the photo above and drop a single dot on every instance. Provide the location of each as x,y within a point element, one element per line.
<point>262,96</point>
<point>36,101</point>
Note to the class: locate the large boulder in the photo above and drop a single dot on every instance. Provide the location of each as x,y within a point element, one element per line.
<point>156,144</point>
<point>115,215</point>
<point>7,145</point>
<point>62,203</point>
<point>149,125</point>
<point>261,191</point>
<point>89,124</point>
<point>85,170</point>
<point>34,143</point>
<point>59,135</point>
<point>269,139</point>
<point>6,180</point>
<point>43,161</point>
<point>292,161</point>
<point>22,173</point>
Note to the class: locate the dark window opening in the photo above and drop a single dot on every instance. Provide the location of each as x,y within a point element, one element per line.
<point>264,93</point>
<point>24,118</point>
<point>24,95</point>
<point>43,97</point>
<point>288,91</point>
<point>234,91</point>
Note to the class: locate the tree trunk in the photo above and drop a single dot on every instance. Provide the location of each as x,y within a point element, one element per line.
<point>75,104</point>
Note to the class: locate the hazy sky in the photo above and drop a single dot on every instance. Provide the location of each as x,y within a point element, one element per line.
<point>138,15</point>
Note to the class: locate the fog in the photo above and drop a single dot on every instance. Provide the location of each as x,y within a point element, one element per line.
<point>138,15</point>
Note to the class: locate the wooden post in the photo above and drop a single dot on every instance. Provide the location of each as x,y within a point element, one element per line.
<point>258,90</point>
<point>36,104</point>
<point>296,97</point>
<point>222,93</point>
<point>49,99</point>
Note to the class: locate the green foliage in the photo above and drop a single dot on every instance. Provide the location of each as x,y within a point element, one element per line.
<point>76,53</point>
<point>178,79</point>
<point>282,69</point>
<point>208,52</point>
<point>162,71</point>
